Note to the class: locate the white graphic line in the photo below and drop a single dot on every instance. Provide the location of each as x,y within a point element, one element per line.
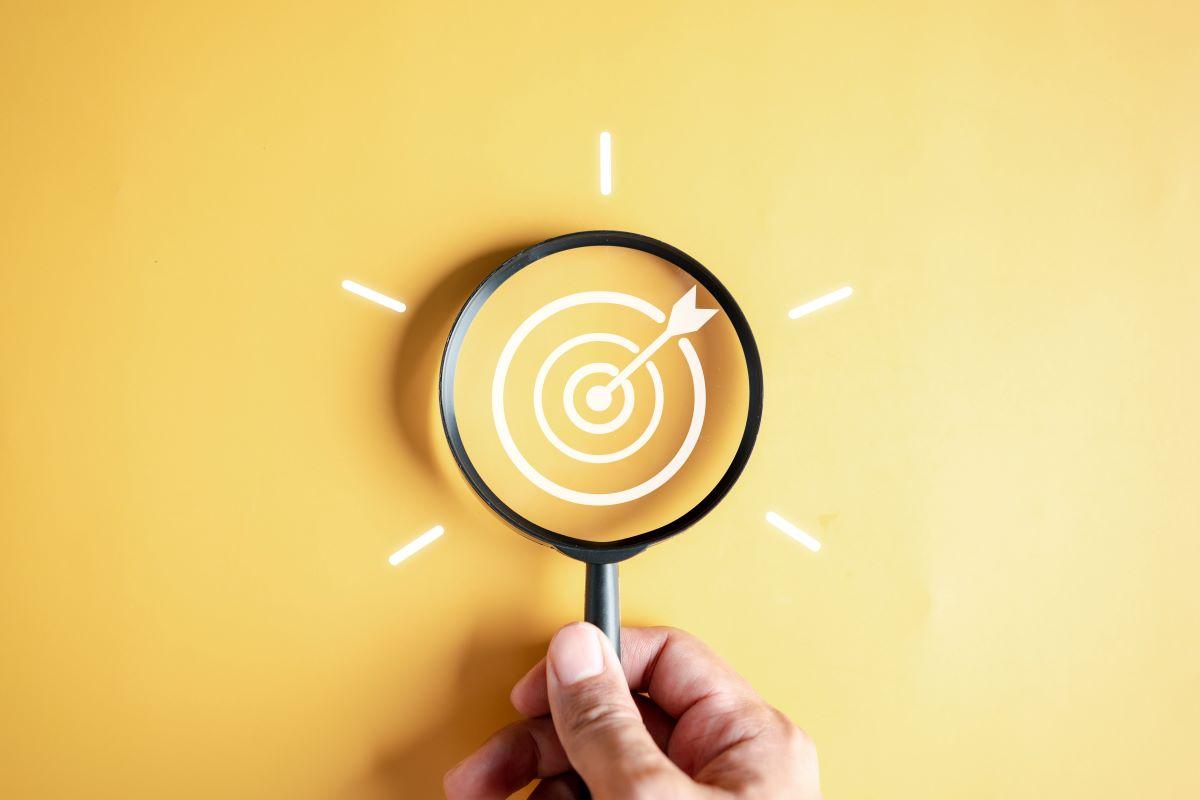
<point>820,302</point>
<point>685,318</point>
<point>806,539</point>
<point>606,163</point>
<point>510,446</point>
<point>424,540</point>
<point>373,296</point>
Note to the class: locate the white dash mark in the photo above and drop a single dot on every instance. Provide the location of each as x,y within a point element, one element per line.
<point>820,302</point>
<point>422,541</point>
<point>373,296</point>
<point>806,539</point>
<point>605,163</point>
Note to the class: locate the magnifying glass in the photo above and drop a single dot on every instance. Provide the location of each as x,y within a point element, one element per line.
<point>601,392</point>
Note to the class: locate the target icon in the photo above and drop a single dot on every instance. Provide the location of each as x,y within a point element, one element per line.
<point>601,405</point>
<point>684,318</point>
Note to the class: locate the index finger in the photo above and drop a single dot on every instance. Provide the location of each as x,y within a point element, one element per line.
<point>507,761</point>
<point>675,668</point>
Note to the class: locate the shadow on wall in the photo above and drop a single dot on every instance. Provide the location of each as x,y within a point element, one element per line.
<point>500,649</point>
<point>492,662</point>
<point>418,358</point>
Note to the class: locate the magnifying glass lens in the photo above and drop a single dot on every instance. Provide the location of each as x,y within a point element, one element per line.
<point>601,392</point>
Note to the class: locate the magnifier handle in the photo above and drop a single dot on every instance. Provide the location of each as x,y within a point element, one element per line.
<point>602,602</point>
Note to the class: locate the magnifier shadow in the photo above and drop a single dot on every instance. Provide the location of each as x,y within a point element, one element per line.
<point>418,357</point>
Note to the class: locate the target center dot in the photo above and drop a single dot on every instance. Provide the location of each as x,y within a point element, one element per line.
<point>598,398</point>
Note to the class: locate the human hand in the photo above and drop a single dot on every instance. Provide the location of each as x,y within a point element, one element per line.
<point>698,733</point>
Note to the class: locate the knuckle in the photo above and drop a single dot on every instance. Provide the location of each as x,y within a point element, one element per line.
<point>647,782</point>
<point>678,636</point>
<point>782,721</point>
<point>675,637</point>
<point>450,784</point>
<point>672,631</point>
<point>594,714</point>
<point>797,741</point>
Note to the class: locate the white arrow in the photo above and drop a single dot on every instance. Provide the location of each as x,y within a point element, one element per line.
<point>685,318</point>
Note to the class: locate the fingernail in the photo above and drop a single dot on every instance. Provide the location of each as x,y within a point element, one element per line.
<point>575,654</point>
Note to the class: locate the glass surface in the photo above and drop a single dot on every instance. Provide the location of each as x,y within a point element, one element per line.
<point>601,392</point>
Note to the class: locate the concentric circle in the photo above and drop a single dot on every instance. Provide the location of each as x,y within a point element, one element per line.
<point>569,405</point>
<point>590,551</point>
<point>598,398</point>
<point>621,419</point>
<point>539,385</point>
<point>501,421</point>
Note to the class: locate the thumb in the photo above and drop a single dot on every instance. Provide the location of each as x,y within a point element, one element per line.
<point>598,723</point>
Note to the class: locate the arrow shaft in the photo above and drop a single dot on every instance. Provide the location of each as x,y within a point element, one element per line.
<point>638,360</point>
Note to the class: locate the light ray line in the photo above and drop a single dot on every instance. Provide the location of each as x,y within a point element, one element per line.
<point>424,540</point>
<point>373,296</point>
<point>605,163</point>
<point>804,538</point>
<point>822,301</point>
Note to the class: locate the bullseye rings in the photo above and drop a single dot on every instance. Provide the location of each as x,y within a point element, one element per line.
<point>599,552</point>
<point>570,401</point>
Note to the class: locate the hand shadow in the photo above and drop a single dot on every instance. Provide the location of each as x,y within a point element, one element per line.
<point>494,658</point>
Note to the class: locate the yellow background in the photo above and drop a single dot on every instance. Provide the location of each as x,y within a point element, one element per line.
<point>208,449</point>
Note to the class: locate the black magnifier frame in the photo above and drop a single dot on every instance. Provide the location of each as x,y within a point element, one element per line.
<point>601,604</point>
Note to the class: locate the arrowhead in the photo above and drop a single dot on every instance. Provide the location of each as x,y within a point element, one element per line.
<point>685,317</point>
